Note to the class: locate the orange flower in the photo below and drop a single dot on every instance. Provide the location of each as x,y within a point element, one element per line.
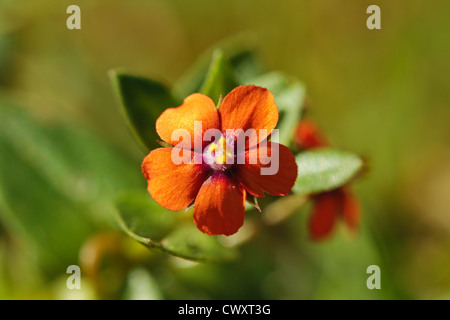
<point>211,178</point>
<point>331,205</point>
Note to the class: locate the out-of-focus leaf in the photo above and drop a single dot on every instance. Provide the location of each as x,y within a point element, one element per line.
<point>98,169</point>
<point>274,81</point>
<point>147,222</point>
<point>53,181</point>
<point>283,208</point>
<point>52,225</point>
<point>325,169</point>
<point>246,65</point>
<point>289,96</point>
<point>77,164</point>
<point>220,78</point>
<point>142,101</point>
<point>191,81</point>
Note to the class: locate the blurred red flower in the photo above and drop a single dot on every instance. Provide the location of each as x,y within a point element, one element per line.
<point>331,205</point>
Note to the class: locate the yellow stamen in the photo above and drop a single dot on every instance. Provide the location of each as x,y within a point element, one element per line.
<point>222,142</point>
<point>212,147</point>
<point>221,159</point>
<point>220,151</point>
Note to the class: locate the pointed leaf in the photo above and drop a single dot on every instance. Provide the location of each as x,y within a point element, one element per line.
<point>325,169</point>
<point>142,101</point>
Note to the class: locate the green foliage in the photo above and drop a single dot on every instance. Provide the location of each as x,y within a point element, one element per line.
<point>53,184</point>
<point>325,169</point>
<point>226,64</point>
<point>155,227</point>
<point>220,78</point>
<point>142,101</point>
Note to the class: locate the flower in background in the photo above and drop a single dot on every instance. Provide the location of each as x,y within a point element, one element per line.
<point>307,136</point>
<point>331,205</point>
<point>214,183</point>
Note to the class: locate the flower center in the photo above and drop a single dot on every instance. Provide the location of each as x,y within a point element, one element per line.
<point>220,155</point>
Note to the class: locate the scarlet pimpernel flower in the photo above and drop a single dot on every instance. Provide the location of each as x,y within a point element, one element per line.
<point>331,205</point>
<point>224,156</point>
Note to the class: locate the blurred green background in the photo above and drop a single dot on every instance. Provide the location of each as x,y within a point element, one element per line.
<point>65,151</point>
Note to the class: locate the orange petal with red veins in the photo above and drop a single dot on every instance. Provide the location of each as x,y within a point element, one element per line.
<point>308,136</point>
<point>173,186</point>
<point>219,206</point>
<point>249,107</point>
<point>196,107</point>
<point>351,210</point>
<point>325,213</point>
<point>278,180</point>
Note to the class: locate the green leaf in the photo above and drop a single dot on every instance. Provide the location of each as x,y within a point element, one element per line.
<point>325,169</point>
<point>142,101</point>
<point>34,209</point>
<point>240,57</point>
<point>75,162</point>
<point>55,184</point>
<point>289,96</point>
<point>157,228</point>
<point>220,79</point>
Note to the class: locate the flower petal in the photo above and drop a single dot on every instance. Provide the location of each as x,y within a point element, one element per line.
<point>249,107</point>
<point>173,186</point>
<point>196,107</point>
<point>326,210</point>
<point>351,211</point>
<point>268,155</point>
<point>219,206</point>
